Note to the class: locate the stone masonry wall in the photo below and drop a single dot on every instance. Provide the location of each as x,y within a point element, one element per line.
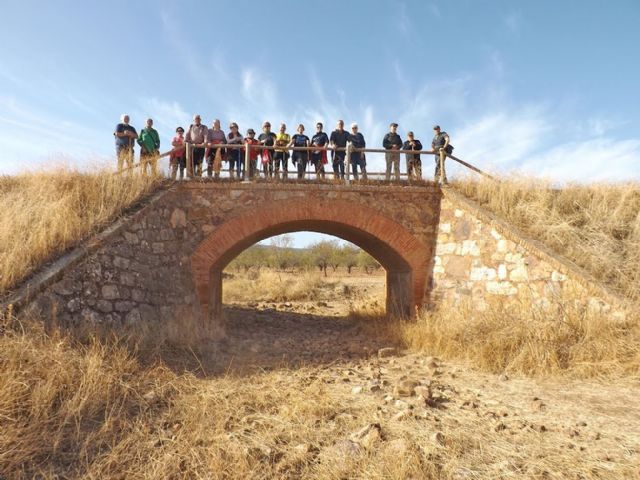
<point>478,256</point>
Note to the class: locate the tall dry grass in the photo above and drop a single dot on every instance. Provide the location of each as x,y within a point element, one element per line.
<point>560,336</point>
<point>43,214</point>
<point>597,225</point>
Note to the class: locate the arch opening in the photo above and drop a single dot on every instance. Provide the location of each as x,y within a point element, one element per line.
<point>405,259</point>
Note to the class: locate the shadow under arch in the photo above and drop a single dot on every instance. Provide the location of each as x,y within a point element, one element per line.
<point>404,257</point>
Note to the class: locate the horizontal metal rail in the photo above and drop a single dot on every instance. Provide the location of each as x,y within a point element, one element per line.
<point>328,148</point>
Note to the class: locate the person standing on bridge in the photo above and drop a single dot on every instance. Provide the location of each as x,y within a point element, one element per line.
<point>319,157</point>
<point>414,164</point>
<point>125,136</point>
<point>268,139</point>
<point>149,142</point>
<point>250,139</point>
<point>177,157</point>
<point>282,154</point>
<point>299,157</point>
<point>357,158</point>
<point>195,143</point>
<point>440,144</point>
<point>215,155</point>
<point>392,142</point>
<point>339,138</point>
<point>236,160</point>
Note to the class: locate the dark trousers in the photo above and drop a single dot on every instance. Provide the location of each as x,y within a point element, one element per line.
<point>358,161</point>
<point>338,165</point>
<point>300,160</point>
<point>316,161</point>
<point>198,157</point>
<point>236,162</point>
<point>284,158</point>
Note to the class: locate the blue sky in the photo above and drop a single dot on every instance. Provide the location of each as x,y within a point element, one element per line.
<point>549,88</point>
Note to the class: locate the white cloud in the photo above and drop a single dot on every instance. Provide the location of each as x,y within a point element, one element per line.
<point>513,21</point>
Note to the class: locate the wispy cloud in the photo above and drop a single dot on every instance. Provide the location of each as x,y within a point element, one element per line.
<point>513,21</point>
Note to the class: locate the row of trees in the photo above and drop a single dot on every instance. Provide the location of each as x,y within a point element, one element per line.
<point>281,255</point>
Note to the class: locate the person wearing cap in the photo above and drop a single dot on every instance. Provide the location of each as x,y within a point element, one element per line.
<point>149,142</point>
<point>195,140</point>
<point>357,158</point>
<point>392,142</point>
<point>250,139</point>
<point>215,155</point>
<point>440,144</point>
<point>125,136</point>
<point>268,139</point>
<point>319,157</point>
<point>281,155</point>
<point>339,138</point>
<point>235,158</point>
<point>300,157</point>
<point>414,164</point>
<point>177,157</point>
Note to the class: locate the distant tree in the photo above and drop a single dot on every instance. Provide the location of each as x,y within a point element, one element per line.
<point>323,252</point>
<point>282,252</point>
<point>367,262</point>
<point>349,255</point>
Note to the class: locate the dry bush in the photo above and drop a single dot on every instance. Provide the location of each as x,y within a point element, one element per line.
<point>597,225</point>
<point>557,336</point>
<point>43,214</point>
<point>270,286</point>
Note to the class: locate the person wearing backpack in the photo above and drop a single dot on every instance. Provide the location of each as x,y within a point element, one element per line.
<point>441,145</point>
<point>300,157</point>
<point>319,157</point>
<point>250,139</point>
<point>357,158</point>
<point>149,142</point>
<point>195,143</point>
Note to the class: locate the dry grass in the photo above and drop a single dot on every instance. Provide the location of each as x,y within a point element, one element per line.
<point>93,412</point>
<point>43,214</point>
<point>272,286</point>
<point>597,225</point>
<point>557,337</point>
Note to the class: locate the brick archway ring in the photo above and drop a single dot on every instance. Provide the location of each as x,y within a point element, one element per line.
<point>404,257</point>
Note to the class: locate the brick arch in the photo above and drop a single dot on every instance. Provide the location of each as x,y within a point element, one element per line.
<point>405,258</point>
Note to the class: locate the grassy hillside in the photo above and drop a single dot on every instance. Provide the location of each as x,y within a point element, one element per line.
<point>43,214</point>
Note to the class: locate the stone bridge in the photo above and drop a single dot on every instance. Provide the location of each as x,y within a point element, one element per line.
<point>166,259</point>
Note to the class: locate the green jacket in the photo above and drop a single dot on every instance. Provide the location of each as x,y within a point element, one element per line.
<point>149,140</point>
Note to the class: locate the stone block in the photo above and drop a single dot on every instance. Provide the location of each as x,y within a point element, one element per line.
<point>519,274</point>
<point>178,218</point>
<point>157,247</point>
<point>131,238</point>
<point>458,213</point>
<point>470,247</point>
<point>104,306</point>
<point>458,267</point>
<point>128,279</point>
<point>482,274</point>
<point>445,228</point>
<point>501,288</point>
<point>110,292</point>
<point>502,271</point>
<point>124,306</point>
<point>446,248</point>
<point>557,276</point>
<point>121,262</point>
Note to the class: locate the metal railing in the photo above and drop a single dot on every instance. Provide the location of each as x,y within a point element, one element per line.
<point>251,166</point>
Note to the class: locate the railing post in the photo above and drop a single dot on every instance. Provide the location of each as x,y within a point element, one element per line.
<point>442,154</point>
<point>348,160</point>
<point>189,154</point>
<point>247,163</point>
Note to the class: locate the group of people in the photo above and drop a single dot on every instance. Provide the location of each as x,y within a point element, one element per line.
<point>200,143</point>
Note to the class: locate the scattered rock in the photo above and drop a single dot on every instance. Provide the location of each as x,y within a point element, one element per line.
<point>368,436</point>
<point>438,438</point>
<point>398,448</point>
<point>402,415</point>
<point>537,405</point>
<point>423,391</point>
<point>386,352</point>
<point>303,448</point>
<point>405,388</point>
<point>356,390</point>
<point>503,378</point>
